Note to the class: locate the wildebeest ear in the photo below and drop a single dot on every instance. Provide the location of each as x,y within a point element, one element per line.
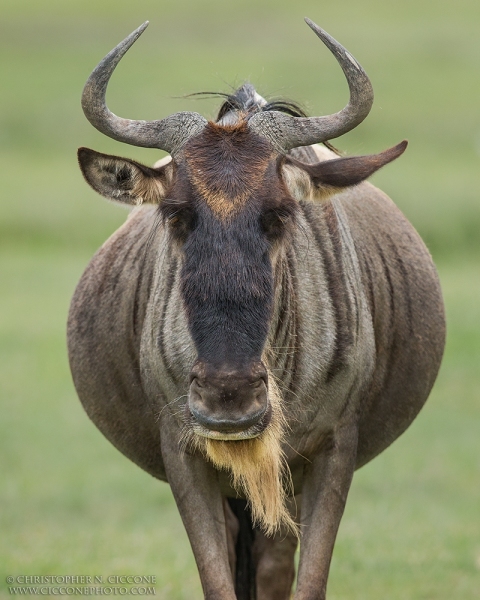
<point>321,180</point>
<point>124,180</point>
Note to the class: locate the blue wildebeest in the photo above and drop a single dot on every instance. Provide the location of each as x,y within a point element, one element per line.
<point>263,324</point>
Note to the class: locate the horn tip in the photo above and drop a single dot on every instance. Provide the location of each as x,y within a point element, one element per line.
<point>321,33</point>
<point>312,24</point>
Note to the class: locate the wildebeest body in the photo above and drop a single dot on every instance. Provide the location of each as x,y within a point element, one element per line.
<point>356,264</point>
<point>264,302</point>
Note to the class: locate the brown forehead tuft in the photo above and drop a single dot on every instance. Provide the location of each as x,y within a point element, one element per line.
<point>226,164</point>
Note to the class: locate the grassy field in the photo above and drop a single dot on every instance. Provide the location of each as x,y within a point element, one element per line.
<point>71,504</point>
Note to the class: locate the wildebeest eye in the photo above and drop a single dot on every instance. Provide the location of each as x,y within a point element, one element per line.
<point>180,220</point>
<point>274,222</point>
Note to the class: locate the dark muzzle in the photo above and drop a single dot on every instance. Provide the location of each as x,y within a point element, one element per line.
<point>229,403</point>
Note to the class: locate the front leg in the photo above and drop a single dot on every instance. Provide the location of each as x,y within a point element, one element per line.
<point>325,488</point>
<point>274,564</point>
<point>196,491</point>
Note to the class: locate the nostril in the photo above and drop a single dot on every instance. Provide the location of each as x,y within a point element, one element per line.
<point>197,372</point>
<point>259,372</point>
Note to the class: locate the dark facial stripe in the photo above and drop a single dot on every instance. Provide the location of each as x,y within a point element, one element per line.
<point>227,288</point>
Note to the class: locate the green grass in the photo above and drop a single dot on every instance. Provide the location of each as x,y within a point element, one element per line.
<point>71,504</point>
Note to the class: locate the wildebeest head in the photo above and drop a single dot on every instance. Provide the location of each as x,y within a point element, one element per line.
<point>229,198</point>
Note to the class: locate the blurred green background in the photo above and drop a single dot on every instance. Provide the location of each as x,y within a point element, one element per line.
<point>71,504</point>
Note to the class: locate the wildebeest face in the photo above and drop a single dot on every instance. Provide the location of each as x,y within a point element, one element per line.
<point>229,210</point>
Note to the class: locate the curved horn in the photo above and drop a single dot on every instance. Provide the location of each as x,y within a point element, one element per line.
<point>286,132</point>
<point>167,134</point>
